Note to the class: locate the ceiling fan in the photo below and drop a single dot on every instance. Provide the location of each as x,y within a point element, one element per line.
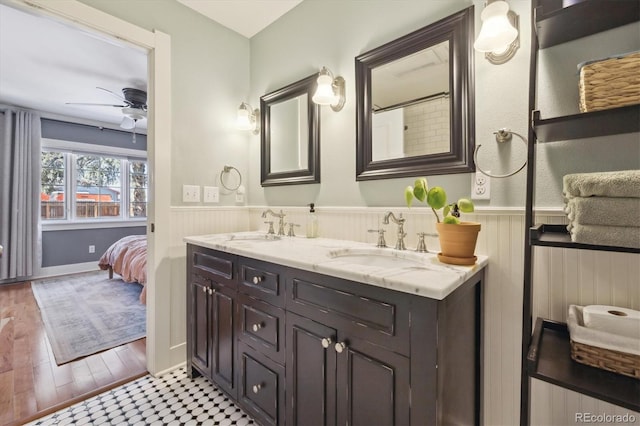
<point>133,104</point>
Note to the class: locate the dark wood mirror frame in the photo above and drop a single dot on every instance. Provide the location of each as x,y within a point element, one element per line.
<point>459,30</point>
<point>312,173</point>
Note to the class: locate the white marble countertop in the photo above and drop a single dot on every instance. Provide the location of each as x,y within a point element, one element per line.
<point>407,271</point>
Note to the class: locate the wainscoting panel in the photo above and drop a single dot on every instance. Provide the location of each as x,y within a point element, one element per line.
<point>187,221</point>
<point>562,277</point>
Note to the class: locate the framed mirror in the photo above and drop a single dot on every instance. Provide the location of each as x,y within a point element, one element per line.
<point>415,103</point>
<point>290,137</point>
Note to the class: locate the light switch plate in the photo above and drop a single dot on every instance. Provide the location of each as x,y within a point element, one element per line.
<point>190,193</point>
<point>211,194</point>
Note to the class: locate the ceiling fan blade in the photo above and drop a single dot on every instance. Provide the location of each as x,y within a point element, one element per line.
<point>113,93</point>
<point>128,123</point>
<point>91,104</point>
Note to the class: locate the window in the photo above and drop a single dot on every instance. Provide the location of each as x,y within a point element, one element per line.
<point>79,186</point>
<point>52,190</point>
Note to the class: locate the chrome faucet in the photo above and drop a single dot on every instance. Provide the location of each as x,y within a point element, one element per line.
<point>280,217</point>
<point>400,222</point>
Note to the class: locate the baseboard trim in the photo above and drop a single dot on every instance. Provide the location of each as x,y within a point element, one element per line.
<point>75,268</point>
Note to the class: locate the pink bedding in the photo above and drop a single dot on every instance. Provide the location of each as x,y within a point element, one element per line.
<point>128,258</point>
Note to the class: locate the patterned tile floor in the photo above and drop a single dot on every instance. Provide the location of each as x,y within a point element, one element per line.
<point>173,399</point>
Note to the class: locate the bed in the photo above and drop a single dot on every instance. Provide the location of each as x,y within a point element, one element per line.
<point>127,257</point>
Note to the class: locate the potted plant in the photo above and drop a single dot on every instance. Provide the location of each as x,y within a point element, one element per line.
<point>457,239</point>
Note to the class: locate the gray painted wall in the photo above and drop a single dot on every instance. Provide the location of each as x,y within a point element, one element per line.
<point>56,129</point>
<point>210,78</point>
<point>214,69</point>
<point>334,32</point>
<point>72,246</point>
<point>66,247</point>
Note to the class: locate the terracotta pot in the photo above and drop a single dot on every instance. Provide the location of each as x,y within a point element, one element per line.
<point>458,242</point>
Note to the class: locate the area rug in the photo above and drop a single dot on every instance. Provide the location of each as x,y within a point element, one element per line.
<point>88,313</point>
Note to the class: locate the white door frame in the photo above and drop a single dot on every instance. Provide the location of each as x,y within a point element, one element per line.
<point>158,46</point>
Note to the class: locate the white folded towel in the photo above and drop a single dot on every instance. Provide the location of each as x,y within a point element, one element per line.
<point>621,236</point>
<point>604,211</point>
<point>625,183</point>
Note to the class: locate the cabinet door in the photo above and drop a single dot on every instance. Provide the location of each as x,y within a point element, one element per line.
<point>200,325</point>
<point>372,385</point>
<point>223,339</point>
<point>260,386</point>
<point>310,372</point>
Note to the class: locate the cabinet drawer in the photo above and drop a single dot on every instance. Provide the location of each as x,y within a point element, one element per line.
<point>371,313</point>
<point>262,326</point>
<point>261,280</point>
<point>214,265</point>
<point>261,386</point>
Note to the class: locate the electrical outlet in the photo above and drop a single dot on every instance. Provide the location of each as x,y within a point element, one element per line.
<point>481,186</point>
<point>211,194</point>
<point>239,198</point>
<point>92,249</point>
<point>190,193</point>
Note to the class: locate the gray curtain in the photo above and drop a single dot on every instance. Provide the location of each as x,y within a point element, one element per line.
<point>20,133</point>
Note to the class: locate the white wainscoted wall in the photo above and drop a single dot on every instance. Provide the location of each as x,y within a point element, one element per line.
<point>562,276</point>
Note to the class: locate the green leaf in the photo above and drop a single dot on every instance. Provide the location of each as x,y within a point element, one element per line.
<point>465,205</point>
<point>451,220</point>
<point>408,195</point>
<point>436,197</point>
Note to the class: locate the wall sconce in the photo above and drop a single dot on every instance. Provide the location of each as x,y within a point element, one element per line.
<point>248,118</point>
<point>330,90</point>
<point>498,36</point>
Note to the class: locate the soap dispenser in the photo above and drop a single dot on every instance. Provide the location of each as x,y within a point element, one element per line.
<point>312,222</point>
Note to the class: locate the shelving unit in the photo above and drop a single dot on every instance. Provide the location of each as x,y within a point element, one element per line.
<point>546,349</point>
<point>549,359</point>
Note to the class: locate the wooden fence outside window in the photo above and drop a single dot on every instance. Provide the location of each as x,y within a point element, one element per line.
<point>84,209</point>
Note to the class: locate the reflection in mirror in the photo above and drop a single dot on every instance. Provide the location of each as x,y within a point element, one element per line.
<point>415,103</point>
<point>289,134</point>
<point>411,105</point>
<point>290,137</point>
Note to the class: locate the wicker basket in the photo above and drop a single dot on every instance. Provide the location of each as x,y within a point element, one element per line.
<point>606,359</point>
<point>610,83</point>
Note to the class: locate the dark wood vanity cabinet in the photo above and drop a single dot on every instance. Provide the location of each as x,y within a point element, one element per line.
<point>312,349</point>
<point>211,295</point>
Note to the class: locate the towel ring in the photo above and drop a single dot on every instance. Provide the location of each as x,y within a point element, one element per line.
<point>502,135</point>
<point>227,169</point>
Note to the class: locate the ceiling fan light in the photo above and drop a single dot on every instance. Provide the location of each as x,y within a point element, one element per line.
<point>128,123</point>
<point>134,113</point>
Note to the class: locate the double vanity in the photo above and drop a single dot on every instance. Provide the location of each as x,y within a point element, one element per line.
<point>317,331</point>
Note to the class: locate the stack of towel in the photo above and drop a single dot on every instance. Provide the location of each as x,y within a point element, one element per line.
<point>604,208</point>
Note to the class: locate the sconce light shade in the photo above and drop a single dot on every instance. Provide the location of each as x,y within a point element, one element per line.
<point>498,36</point>
<point>330,91</point>
<point>248,118</point>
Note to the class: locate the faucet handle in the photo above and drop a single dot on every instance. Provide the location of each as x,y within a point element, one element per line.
<point>270,231</point>
<point>381,241</point>
<point>290,232</point>
<point>422,246</point>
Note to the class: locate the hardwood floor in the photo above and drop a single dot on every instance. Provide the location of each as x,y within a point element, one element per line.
<point>31,384</point>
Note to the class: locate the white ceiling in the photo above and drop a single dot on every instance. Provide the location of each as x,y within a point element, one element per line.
<point>246,17</point>
<point>45,63</point>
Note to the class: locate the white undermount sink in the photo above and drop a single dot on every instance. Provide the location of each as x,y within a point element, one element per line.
<point>254,237</point>
<point>381,257</point>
